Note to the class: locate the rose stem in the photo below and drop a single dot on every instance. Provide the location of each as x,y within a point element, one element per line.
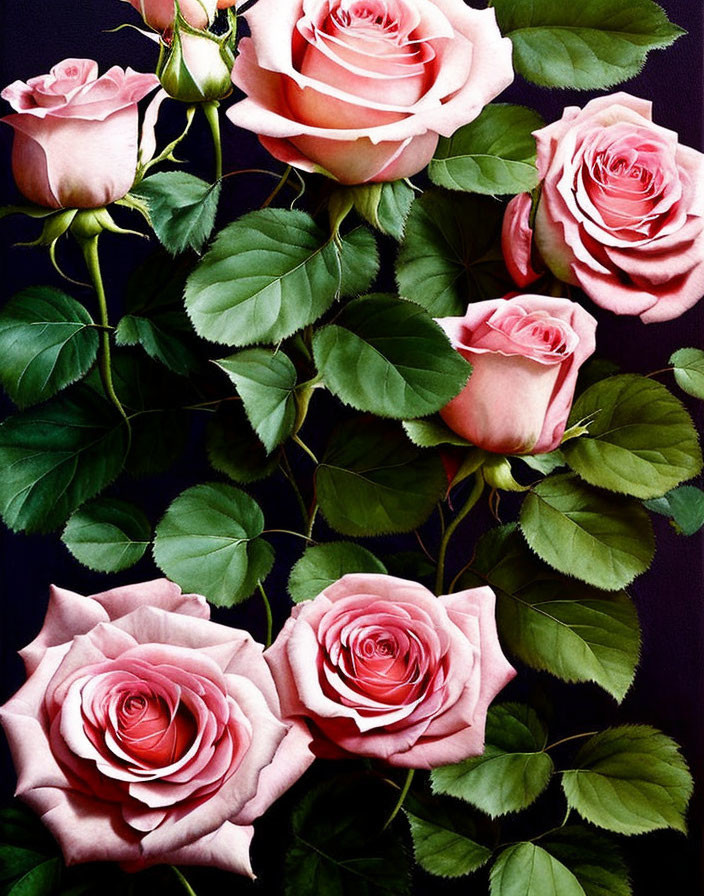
<point>182,880</point>
<point>404,793</point>
<point>288,473</point>
<point>269,617</point>
<point>275,192</point>
<point>311,521</point>
<point>565,740</point>
<point>474,496</point>
<point>90,253</point>
<point>211,113</point>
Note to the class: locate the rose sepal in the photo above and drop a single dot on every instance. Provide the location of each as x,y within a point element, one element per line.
<point>498,475</point>
<point>87,224</point>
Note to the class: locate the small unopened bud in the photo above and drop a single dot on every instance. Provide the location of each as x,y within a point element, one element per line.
<point>196,65</point>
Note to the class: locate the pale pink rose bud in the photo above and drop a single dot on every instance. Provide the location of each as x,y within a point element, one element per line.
<point>160,14</point>
<point>525,354</point>
<point>361,90</point>
<point>621,212</point>
<point>76,133</point>
<point>196,66</point>
<point>382,667</point>
<point>145,733</point>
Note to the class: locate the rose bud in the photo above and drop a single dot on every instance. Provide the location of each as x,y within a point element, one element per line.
<point>76,133</point>
<point>160,14</point>
<point>361,90</point>
<point>381,667</point>
<point>621,210</point>
<point>145,733</point>
<point>196,65</point>
<point>525,354</point>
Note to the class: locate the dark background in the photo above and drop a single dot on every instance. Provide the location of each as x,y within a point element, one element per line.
<point>669,690</point>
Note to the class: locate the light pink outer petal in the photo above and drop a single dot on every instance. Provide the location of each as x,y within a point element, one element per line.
<point>226,848</point>
<point>147,143</point>
<point>70,614</point>
<point>87,830</point>
<point>292,759</point>
<point>28,740</point>
<point>517,240</point>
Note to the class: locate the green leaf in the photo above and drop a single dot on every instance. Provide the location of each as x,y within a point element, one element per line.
<point>156,318</point>
<point>208,542</point>
<point>16,861</point>
<point>359,261</point>
<point>324,564</point>
<point>641,440</point>
<point>267,275</point>
<point>443,842</point>
<point>182,208</point>
<point>159,338</point>
<point>593,859</point>
<point>154,397</point>
<point>385,205</point>
<point>387,356</point>
<point>265,381</point>
<point>513,770</point>
<point>684,505</point>
<point>345,853</point>
<point>47,341</point>
<point>553,623</point>
<point>688,366</point>
<point>602,539</point>
<point>56,457</point>
<point>107,535</point>
<point>587,46</point>
<point>451,254</point>
<point>528,870</point>
<point>544,463</point>
<point>630,780</point>
<point>494,154</point>
<point>373,481</point>
<point>234,449</point>
<point>38,881</point>
<point>432,432</point>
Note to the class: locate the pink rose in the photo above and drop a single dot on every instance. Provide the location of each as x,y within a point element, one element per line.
<point>160,14</point>
<point>361,89</point>
<point>525,354</point>
<point>621,213</point>
<point>146,733</point>
<point>381,667</point>
<point>76,134</point>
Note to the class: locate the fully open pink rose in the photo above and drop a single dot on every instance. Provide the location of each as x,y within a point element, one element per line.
<point>160,14</point>
<point>525,354</point>
<point>621,213</point>
<point>76,133</point>
<point>361,89</point>
<point>381,667</point>
<point>146,733</point>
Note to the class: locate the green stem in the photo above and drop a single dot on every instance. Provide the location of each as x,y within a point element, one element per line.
<point>474,496</point>
<point>566,740</point>
<point>211,113</point>
<point>275,192</point>
<point>402,797</point>
<point>269,617</point>
<point>92,259</point>
<point>288,473</point>
<point>311,520</point>
<point>182,880</point>
<point>286,532</point>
